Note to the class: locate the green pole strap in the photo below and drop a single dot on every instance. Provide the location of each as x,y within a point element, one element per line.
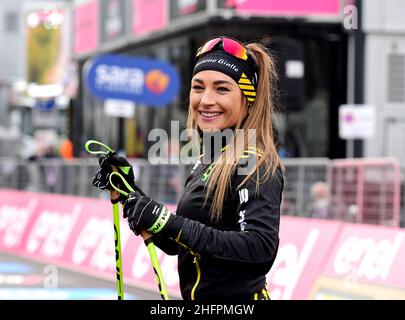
<point>90,142</point>
<point>156,268</point>
<point>118,256</point>
<point>123,180</point>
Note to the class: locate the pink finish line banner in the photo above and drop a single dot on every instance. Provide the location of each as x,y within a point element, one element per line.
<point>290,7</point>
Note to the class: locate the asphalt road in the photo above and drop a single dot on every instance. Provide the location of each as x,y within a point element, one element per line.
<point>27,280</point>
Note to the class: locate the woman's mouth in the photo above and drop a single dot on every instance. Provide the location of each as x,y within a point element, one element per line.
<point>209,116</point>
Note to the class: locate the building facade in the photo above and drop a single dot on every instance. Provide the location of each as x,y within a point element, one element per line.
<point>384,27</point>
<point>312,37</point>
<point>34,58</point>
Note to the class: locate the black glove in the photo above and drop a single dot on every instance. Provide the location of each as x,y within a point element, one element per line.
<point>144,213</point>
<point>102,177</point>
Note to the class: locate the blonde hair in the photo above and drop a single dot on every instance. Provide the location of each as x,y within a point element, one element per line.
<point>258,117</point>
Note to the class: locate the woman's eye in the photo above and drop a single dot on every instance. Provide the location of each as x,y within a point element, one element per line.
<point>197,87</point>
<point>222,89</point>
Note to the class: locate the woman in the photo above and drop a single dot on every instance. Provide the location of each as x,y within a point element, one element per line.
<point>225,230</point>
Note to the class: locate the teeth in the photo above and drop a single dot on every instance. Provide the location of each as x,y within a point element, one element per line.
<point>210,114</point>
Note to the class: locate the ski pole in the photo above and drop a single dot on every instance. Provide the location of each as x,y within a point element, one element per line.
<point>147,237</point>
<point>116,215</point>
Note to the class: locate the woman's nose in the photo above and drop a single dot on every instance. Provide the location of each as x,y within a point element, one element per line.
<point>207,98</point>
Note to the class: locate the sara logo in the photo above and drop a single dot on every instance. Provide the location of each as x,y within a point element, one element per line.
<point>157,81</point>
<point>141,80</point>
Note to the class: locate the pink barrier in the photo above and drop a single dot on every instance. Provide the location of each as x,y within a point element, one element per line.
<point>304,245</point>
<point>317,259</point>
<point>366,262</point>
<point>76,233</point>
<point>366,191</point>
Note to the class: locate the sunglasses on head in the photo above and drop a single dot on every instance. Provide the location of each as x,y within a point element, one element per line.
<point>231,46</point>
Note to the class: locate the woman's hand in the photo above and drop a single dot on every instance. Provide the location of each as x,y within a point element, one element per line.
<point>144,213</point>
<point>101,178</point>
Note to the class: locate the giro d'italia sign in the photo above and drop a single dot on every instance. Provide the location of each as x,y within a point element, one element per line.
<point>140,80</point>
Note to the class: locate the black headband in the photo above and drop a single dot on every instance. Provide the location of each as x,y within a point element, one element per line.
<point>242,72</point>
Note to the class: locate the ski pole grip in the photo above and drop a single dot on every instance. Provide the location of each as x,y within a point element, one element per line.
<point>146,235</point>
<point>113,193</point>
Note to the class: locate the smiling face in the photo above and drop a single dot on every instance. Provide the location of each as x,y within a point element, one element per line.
<point>216,102</point>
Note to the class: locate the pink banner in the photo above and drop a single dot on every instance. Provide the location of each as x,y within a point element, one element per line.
<point>290,7</point>
<point>149,15</point>
<point>77,233</point>
<point>86,27</point>
<point>317,259</point>
<point>304,245</point>
<point>367,262</point>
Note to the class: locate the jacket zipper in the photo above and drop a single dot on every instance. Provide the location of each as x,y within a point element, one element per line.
<point>197,257</point>
<point>197,265</point>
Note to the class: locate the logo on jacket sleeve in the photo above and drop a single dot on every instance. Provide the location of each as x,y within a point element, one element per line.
<point>241,221</point>
<point>243,195</point>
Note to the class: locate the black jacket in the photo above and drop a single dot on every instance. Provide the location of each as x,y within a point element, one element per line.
<point>227,260</point>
